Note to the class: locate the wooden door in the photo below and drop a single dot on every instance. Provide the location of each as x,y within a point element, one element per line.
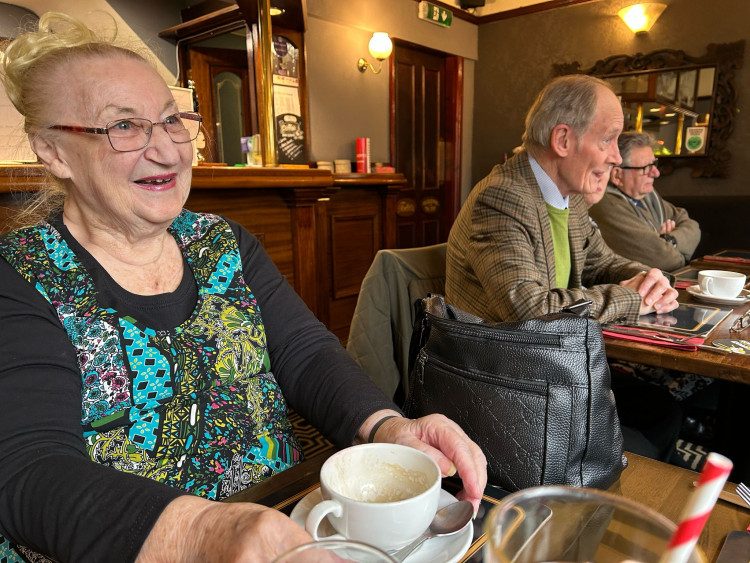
<point>209,68</point>
<point>425,142</point>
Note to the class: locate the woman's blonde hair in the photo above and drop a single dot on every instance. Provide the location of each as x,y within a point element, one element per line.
<point>29,75</point>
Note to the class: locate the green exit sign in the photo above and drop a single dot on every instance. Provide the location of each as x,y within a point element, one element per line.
<point>435,14</point>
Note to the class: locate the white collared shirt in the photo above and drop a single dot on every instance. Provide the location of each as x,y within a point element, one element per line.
<point>550,192</point>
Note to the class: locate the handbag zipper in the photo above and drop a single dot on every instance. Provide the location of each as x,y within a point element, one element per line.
<point>536,387</point>
<point>505,335</point>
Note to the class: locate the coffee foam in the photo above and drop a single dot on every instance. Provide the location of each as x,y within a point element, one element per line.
<point>378,481</point>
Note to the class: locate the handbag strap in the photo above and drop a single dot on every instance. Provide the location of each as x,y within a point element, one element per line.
<point>420,331</point>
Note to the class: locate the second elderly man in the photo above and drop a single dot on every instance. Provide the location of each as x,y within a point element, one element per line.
<point>634,220</point>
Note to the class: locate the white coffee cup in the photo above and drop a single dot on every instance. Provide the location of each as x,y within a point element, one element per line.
<point>385,495</point>
<point>721,283</point>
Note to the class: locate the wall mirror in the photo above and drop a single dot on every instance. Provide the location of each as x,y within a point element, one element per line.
<point>688,104</point>
<point>220,56</point>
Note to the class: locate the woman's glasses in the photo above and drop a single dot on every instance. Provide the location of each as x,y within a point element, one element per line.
<point>645,170</point>
<point>134,133</point>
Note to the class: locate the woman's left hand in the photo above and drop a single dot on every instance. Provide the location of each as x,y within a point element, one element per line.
<point>444,441</point>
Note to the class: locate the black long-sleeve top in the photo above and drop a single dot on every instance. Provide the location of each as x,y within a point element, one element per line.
<point>53,498</point>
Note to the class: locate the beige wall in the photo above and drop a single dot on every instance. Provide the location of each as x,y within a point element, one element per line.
<point>138,23</point>
<point>344,103</point>
<point>517,56</point>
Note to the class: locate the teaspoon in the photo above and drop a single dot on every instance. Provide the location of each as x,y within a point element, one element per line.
<point>448,520</point>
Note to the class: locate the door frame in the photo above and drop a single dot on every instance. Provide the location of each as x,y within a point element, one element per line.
<point>454,101</point>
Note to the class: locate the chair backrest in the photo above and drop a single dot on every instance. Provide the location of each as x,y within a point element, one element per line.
<point>383,319</point>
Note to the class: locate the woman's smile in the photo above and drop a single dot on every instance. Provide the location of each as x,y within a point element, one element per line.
<point>158,183</point>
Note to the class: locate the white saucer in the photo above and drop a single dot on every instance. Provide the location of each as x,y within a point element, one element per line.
<point>743,297</point>
<point>448,549</point>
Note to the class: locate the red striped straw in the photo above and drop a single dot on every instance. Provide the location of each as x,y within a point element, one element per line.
<point>715,473</point>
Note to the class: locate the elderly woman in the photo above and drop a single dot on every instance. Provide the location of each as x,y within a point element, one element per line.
<point>148,353</point>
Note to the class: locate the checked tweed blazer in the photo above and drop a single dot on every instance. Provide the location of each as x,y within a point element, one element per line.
<point>500,263</point>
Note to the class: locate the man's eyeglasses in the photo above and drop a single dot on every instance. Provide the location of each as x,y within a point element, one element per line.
<point>741,323</point>
<point>134,133</point>
<point>645,170</point>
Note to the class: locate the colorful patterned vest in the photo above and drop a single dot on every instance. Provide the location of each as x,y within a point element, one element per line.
<point>196,407</point>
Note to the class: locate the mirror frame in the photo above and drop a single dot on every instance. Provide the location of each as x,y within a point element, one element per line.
<point>726,57</point>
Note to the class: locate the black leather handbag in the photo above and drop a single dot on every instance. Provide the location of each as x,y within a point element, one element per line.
<point>535,395</point>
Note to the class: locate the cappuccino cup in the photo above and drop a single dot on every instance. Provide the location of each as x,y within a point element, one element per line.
<point>381,494</point>
<point>721,283</point>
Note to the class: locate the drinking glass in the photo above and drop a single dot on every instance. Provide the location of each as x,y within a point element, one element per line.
<point>555,523</point>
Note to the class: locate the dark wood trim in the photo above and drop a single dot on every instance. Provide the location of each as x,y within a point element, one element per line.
<point>454,72</point>
<point>343,180</point>
<point>210,24</point>
<point>216,177</point>
<point>532,9</point>
<point>460,14</point>
<point>27,178</point>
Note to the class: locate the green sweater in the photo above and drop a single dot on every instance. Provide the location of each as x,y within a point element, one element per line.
<point>558,222</point>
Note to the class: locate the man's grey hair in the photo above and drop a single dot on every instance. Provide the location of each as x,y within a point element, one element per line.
<point>566,100</point>
<point>632,140</point>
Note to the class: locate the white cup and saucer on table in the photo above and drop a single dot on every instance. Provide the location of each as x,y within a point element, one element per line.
<point>385,495</point>
<point>721,287</point>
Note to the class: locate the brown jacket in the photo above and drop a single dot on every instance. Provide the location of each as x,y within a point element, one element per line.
<point>500,263</point>
<point>634,233</point>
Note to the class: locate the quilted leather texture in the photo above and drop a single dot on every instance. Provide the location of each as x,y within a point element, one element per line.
<point>535,395</point>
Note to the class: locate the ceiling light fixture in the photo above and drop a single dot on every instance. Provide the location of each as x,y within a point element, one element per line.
<point>640,17</point>
<point>274,11</point>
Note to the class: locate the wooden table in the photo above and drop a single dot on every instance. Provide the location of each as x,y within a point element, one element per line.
<point>666,488</point>
<point>717,364</point>
<point>663,487</point>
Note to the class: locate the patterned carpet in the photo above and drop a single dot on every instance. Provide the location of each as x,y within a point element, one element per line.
<point>310,439</point>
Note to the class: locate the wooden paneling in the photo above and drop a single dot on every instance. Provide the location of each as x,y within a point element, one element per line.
<point>263,212</point>
<point>322,231</point>
<point>352,225</point>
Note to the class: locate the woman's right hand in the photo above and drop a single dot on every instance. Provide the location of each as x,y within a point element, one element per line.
<point>196,529</point>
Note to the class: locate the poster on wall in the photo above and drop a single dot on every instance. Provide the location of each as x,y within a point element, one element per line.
<point>285,61</point>
<point>290,139</point>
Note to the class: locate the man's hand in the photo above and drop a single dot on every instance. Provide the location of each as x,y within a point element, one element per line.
<point>444,441</point>
<point>667,227</point>
<point>656,293</point>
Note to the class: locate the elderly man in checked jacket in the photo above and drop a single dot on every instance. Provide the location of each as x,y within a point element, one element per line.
<point>522,244</point>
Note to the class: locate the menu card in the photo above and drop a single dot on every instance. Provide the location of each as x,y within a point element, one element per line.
<point>688,323</point>
<point>730,255</point>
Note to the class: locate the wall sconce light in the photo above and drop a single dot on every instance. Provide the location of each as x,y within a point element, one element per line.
<point>640,17</point>
<point>380,47</point>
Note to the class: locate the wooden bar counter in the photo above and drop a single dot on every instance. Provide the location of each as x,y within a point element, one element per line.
<point>322,230</point>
